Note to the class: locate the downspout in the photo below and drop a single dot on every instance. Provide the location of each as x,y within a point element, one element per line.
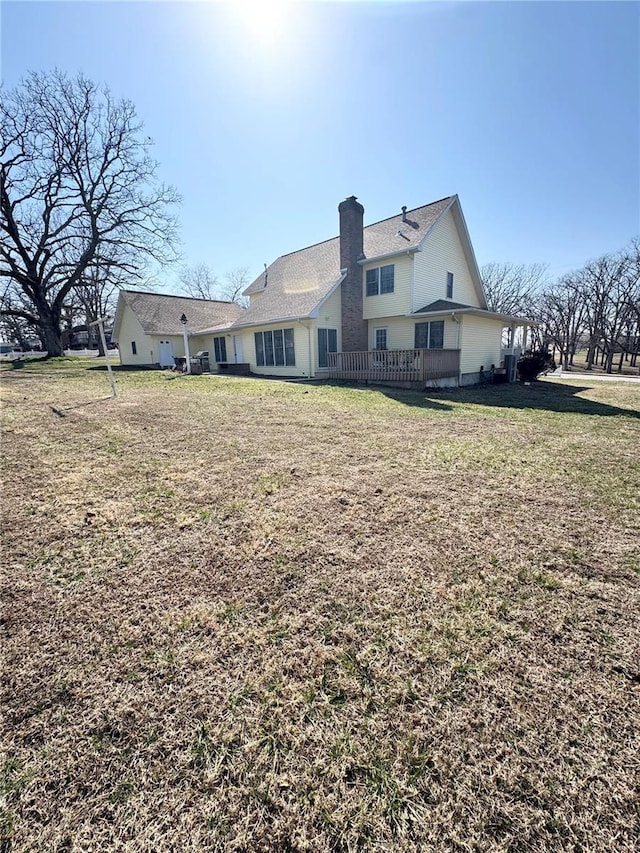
<point>413,282</point>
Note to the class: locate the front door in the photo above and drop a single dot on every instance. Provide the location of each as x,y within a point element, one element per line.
<point>237,349</point>
<point>165,354</point>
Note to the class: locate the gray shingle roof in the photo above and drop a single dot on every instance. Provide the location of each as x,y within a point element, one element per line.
<point>382,238</point>
<point>442,305</point>
<point>160,313</point>
<point>297,282</point>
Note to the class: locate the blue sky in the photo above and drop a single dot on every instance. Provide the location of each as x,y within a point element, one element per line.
<point>265,120</point>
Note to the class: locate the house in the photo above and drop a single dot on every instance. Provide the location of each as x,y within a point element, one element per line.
<point>398,301</point>
<point>150,333</point>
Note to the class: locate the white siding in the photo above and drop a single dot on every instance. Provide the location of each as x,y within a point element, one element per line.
<point>329,317</point>
<point>443,253</point>
<point>131,331</point>
<point>401,332</point>
<point>481,343</point>
<point>388,304</point>
<point>301,341</point>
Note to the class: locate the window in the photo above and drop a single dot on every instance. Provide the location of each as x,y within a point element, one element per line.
<point>327,342</point>
<point>429,335</point>
<point>380,280</point>
<point>386,279</point>
<point>134,349</point>
<point>275,349</point>
<point>220,348</point>
<point>380,338</point>
<point>449,285</point>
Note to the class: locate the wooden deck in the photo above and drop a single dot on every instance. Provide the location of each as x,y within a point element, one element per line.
<point>407,367</point>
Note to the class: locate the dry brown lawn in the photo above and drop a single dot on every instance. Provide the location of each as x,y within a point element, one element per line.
<point>246,615</point>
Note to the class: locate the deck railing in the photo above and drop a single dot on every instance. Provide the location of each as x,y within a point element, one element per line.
<point>396,365</point>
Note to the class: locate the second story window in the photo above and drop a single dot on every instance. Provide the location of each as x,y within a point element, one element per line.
<point>449,285</point>
<point>380,280</point>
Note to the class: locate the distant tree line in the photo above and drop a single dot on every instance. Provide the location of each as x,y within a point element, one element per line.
<point>595,309</point>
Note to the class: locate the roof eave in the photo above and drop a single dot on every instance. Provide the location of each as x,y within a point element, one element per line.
<point>410,250</point>
<point>479,312</point>
<point>273,322</point>
<point>468,249</point>
<point>210,330</point>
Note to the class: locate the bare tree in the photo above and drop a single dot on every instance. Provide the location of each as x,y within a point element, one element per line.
<point>612,291</point>
<point>513,288</point>
<point>236,282</point>
<point>77,182</point>
<point>97,294</point>
<point>14,326</point>
<point>562,311</point>
<point>199,281</point>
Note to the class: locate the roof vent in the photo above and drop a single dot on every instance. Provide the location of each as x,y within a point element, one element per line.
<point>404,212</point>
<point>266,275</point>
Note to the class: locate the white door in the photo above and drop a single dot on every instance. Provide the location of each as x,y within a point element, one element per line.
<point>165,354</point>
<point>237,349</point>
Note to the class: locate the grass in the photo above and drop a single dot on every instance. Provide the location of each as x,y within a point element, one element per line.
<point>247,615</point>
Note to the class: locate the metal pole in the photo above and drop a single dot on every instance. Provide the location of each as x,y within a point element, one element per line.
<point>100,324</point>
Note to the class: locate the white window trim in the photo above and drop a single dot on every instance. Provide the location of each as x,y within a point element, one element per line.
<point>373,341</point>
<point>449,296</point>
<point>378,270</point>
<point>327,329</point>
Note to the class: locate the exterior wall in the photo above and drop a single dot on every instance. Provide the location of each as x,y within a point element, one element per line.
<point>443,253</point>
<point>480,343</point>
<point>388,304</point>
<point>300,342</point>
<point>329,317</point>
<point>207,344</point>
<point>177,346</point>
<point>401,332</point>
<point>131,330</point>
<point>197,345</point>
<point>148,346</point>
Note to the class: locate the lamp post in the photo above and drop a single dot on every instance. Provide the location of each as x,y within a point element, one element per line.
<point>183,320</point>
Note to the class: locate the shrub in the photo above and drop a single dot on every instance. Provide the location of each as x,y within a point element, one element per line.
<point>532,364</point>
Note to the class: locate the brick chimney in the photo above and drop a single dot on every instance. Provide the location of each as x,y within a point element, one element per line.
<point>354,328</point>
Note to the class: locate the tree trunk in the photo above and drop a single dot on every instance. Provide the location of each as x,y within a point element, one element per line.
<point>51,335</point>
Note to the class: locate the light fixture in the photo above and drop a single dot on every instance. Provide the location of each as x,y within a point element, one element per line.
<point>187,354</point>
